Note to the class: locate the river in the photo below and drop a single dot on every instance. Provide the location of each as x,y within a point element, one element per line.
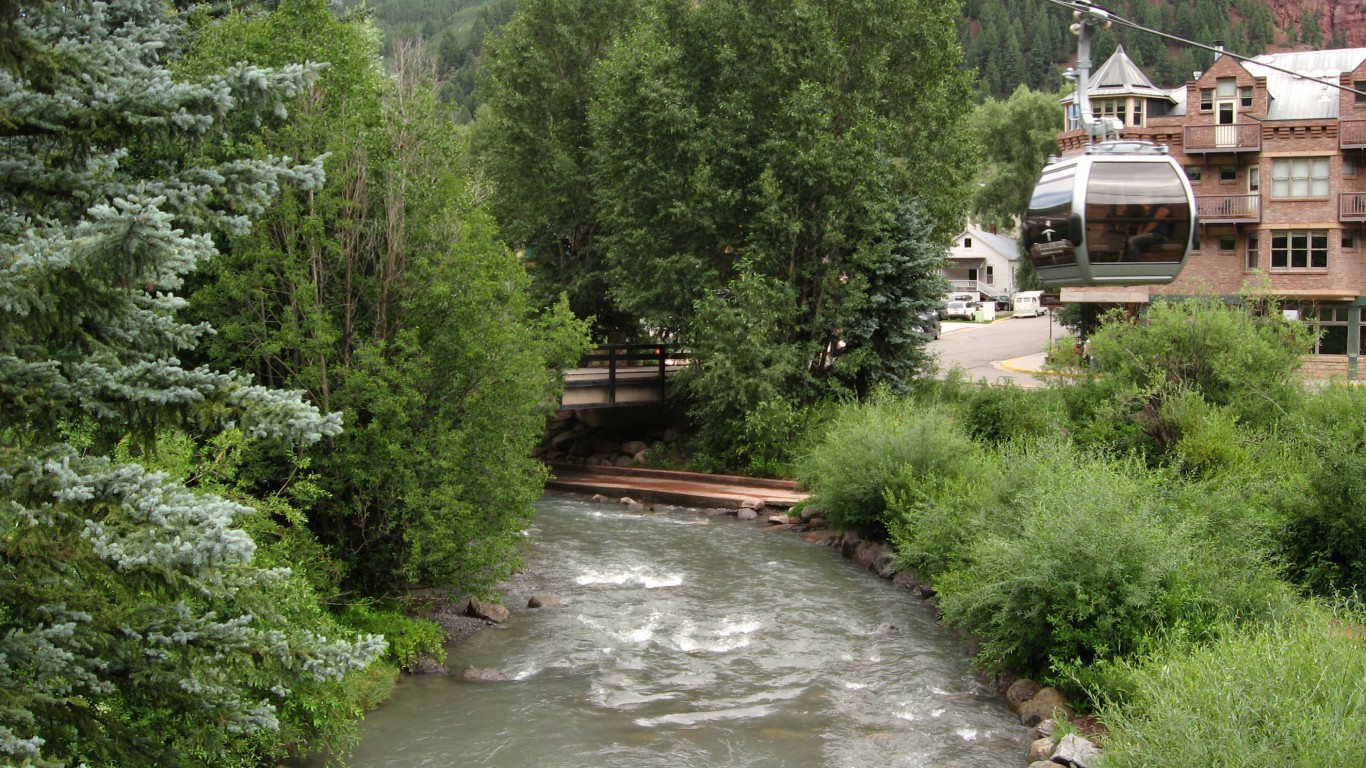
<point>686,642</point>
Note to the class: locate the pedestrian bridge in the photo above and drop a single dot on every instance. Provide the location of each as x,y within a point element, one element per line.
<point>621,375</point>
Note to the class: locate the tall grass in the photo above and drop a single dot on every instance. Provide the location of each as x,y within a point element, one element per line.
<point>1292,693</point>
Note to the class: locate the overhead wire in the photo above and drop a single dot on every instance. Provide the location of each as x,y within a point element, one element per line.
<point>1098,13</point>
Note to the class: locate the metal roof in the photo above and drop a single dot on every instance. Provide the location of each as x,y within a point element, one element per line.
<point>1304,96</point>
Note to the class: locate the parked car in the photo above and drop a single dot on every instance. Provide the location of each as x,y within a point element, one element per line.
<point>959,309</point>
<point>1004,304</point>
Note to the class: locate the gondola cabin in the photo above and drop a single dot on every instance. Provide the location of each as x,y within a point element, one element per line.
<point>1123,213</point>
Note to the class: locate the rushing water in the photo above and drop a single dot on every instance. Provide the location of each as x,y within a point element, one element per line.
<point>686,642</point>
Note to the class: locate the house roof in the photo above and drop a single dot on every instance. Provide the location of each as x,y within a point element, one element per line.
<point>1304,96</point>
<point>1001,244</point>
<point>1120,76</point>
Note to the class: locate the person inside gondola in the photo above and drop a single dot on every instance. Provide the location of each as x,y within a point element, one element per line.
<point>1153,231</point>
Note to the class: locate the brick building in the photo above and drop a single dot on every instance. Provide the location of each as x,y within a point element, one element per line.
<point>1276,162</point>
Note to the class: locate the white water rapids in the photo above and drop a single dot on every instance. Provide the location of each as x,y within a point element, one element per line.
<point>688,642</point>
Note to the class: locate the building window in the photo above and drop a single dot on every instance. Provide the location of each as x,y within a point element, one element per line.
<point>1299,177</point>
<point>1193,172</point>
<point>1228,173</point>
<point>991,275</point>
<point>1360,87</point>
<point>1228,243</point>
<point>1138,112</point>
<point>1245,97</point>
<point>1109,108</point>
<point>1349,168</point>
<point>1226,87</point>
<point>1253,246</point>
<point>1294,249</point>
<point>1331,323</point>
<point>1254,178</point>
<point>1206,99</point>
<point>967,242</point>
<point>1349,241</point>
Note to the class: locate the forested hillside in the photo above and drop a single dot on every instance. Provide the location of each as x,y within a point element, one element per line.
<point>455,29</point>
<point>1009,42</point>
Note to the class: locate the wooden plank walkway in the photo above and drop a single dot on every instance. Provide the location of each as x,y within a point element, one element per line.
<point>686,489</point>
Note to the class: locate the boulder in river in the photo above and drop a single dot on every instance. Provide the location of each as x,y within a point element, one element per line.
<point>543,601</point>
<point>479,675</point>
<point>488,611</point>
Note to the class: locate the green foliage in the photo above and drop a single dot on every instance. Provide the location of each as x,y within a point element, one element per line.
<point>145,618</point>
<point>883,451</point>
<point>1235,358</point>
<point>996,415</point>
<point>393,301</point>
<point>1083,572</point>
<point>1324,539</point>
<point>409,639</point>
<point>533,141</point>
<point>1287,694</point>
<point>1016,138</point>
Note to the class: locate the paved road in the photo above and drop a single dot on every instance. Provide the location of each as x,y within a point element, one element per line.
<point>990,350</point>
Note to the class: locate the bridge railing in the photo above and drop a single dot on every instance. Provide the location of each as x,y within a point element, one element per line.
<point>634,365</point>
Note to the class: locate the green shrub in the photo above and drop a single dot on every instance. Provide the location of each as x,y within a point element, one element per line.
<point>409,638</point>
<point>1290,694</point>
<point>996,415</point>
<point>1086,569</point>
<point>932,522</point>
<point>871,452</point>
<point>1324,539</point>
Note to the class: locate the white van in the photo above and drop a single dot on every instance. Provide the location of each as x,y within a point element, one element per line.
<point>1028,304</point>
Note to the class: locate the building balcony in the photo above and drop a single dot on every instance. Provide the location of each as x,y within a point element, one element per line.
<point>1352,134</point>
<point>1352,206</point>
<point>1228,209</point>
<point>1239,137</point>
<point>975,286</point>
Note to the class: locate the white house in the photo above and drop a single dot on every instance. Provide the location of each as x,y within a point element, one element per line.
<point>981,265</point>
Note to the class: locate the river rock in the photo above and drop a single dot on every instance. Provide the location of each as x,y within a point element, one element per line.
<point>747,514</point>
<point>634,447</point>
<point>488,611</point>
<point>1019,692</point>
<point>778,520</point>
<point>818,537</point>
<point>1040,750</point>
<point>1042,706</point>
<point>428,665</point>
<point>543,601</point>
<point>752,504</point>
<point>1077,752</point>
<point>810,512</point>
<point>479,675</point>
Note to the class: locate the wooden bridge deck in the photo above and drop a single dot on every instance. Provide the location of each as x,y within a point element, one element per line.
<point>687,489</point>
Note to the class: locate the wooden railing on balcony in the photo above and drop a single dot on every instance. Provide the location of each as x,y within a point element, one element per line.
<point>1352,134</point>
<point>1240,137</point>
<point>1352,206</point>
<point>1219,209</point>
